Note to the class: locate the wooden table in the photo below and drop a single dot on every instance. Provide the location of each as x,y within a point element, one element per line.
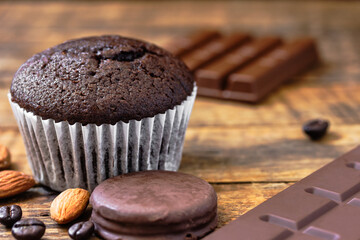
<point>248,152</point>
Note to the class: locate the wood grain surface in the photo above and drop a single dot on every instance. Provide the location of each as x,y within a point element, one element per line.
<point>248,152</point>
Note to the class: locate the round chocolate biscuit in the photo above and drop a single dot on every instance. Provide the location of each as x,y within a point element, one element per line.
<point>154,205</point>
<point>101,80</point>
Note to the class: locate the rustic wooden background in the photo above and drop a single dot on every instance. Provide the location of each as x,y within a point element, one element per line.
<point>248,152</point>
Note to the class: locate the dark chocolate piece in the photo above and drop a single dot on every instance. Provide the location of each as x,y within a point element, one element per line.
<point>316,128</point>
<point>214,74</point>
<point>185,44</point>
<point>154,205</point>
<point>213,49</point>
<point>324,205</point>
<point>265,74</point>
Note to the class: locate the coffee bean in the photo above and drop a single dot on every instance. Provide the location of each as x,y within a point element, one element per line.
<point>189,236</point>
<point>316,128</point>
<point>81,230</point>
<point>10,215</point>
<point>28,229</point>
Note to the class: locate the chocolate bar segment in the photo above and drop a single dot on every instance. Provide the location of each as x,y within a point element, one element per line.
<point>324,205</point>
<point>214,75</point>
<point>255,81</point>
<point>239,69</point>
<point>213,49</point>
<point>185,44</point>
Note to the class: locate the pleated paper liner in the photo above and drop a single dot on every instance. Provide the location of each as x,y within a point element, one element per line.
<point>64,156</point>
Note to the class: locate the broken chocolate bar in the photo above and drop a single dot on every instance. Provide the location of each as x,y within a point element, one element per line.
<point>237,68</point>
<point>324,205</point>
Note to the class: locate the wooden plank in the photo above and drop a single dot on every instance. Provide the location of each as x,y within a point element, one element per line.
<point>241,154</point>
<point>262,153</point>
<point>287,106</point>
<point>107,13</point>
<point>236,199</point>
<point>233,200</point>
<point>7,118</point>
<point>11,138</point>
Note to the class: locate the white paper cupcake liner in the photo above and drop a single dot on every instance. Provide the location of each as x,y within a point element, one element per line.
<point>65,156</point>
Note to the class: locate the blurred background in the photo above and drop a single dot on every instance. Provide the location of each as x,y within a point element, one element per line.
<point>248,152</point>
<point>31,26</point>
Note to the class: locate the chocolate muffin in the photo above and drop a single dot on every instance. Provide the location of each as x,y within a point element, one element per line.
<point>97,107</point>
<point>153,205</point>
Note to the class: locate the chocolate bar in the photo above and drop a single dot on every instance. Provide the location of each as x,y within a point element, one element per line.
<point>186,44</point>
<point>213,75</point>
<point>243,69</point>
<point>253,82</point>
<point>324,205</point>
<point>213,49</point>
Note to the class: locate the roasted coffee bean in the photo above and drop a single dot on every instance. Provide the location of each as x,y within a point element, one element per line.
<point>28,229</point>
<point>189,236</point>
<point>81,230</point>
<point>316,128</point>
<point>10,215</point>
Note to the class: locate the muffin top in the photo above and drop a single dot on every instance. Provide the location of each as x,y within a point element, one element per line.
<point>101,80</point>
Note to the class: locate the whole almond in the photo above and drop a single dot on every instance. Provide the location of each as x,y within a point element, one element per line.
<point>14,182</point>
<point>69,205</point>
<point>4,157</point>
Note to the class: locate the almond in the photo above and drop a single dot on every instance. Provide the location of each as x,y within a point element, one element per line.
<point>14,182</point>
<point>4,157</point>
<point>69,205</point>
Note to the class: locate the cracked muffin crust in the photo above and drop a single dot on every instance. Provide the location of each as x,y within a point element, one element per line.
<point>101,80</point>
